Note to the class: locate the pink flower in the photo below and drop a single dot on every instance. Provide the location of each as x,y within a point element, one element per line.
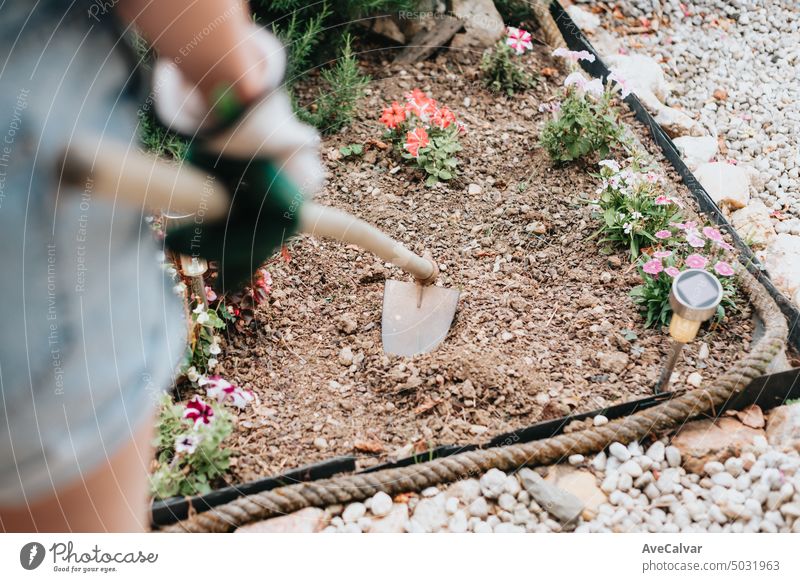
<point>695,241</point>
<point>624,87</point>
<point>221,390</point>
<point>210,295</point>
<point>696,261</point>
<point>415,140</point>
<point>393,115</point>
<point>574,56</point>
<point>662,254</point>
<point>186,444</point>
<point>653,267</point>
<point>198,412</point>
<point>672,271</point>
<point>653,178</point>
<point>712,234</point>
<point>663,234</point>
<point>723,268</point>
<point>725,245</point>
<point>663,201</point>
<point>519,40</point>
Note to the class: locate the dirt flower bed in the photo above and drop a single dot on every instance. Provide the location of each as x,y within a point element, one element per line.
<point>545,324</point>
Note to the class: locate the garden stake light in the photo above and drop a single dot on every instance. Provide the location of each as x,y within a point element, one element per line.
<point>694,297</point>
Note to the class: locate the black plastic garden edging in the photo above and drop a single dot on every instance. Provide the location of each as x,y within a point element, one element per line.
<point>576,40</point>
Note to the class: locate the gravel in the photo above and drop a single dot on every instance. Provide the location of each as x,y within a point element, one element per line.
<point>735,66</point>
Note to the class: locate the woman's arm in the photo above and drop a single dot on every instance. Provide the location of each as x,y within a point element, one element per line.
<point>210,40</point>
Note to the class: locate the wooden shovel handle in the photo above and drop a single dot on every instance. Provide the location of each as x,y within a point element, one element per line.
<point>121,173</point>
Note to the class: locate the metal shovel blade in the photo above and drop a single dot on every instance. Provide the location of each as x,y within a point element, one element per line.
<point>408,329</point>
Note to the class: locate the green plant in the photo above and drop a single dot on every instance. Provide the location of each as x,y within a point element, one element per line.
<point>632,207</point>
<point>501,72</point>
<point>301,35</point>
<point>353,149</point>
<point>336,104</point>
<point>189,456</point>
<point>203,346</point>
<point>584,125</point>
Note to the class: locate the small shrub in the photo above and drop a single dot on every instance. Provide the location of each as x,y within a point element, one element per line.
<point>336,104</point>
<point>427,133</point>
<point>632,207</point>
<point>585,121</point>
<point>499,65</point>
<point>683,246</point>
<point>583,125</point>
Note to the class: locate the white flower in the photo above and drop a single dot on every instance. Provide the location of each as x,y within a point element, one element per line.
<point>202,319</point>
<point>594,88</point>
<point>212,363</point>
<point>627,227</point>
<point>171,271</point>
<point>192,374</point>
<point>179,289</point>
<point>610,164</point>
<point>214,349</point>
<point>577,80</point>
<point>186,444</point>
<point>636,215</point>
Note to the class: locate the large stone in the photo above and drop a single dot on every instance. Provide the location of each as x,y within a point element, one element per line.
<point>482,22</point>
<point>696,151</point>
<point>702,441</point>
<point>430,515</point>
<point>783,426</point>
<point>642,74</point>
<point>562,505</point>
<point>754,224</point>
<point>582,484</point>
<point>783,263</point>
<point>308,520</point>
<point>585,20</point>
<point>676,123</point>
<point>393,522</point>
<point>727,184</point>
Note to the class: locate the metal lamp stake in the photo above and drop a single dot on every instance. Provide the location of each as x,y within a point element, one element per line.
<point>694,297</point>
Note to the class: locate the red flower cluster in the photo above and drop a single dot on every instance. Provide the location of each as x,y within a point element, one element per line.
<point>425,109</point>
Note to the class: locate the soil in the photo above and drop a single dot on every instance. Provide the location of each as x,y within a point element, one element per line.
<point>542,327</point>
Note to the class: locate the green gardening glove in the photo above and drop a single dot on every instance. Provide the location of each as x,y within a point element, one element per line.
<point>264,213</point>
<point>264,156</point>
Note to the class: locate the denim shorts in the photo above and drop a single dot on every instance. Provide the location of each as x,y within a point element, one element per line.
<point>91,330</point>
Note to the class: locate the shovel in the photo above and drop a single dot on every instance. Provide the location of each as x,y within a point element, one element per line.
<point>416,315</point>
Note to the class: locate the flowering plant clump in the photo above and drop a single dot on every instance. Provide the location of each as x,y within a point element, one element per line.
<point>189,452</point>
<point>585,121</point>
<point>427,134</point>
<point>499,65</point>
<point>633,207</point>
<point>683,245</point>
